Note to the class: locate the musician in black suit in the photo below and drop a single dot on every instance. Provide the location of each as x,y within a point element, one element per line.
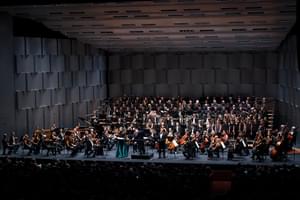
<point>140,141</point>
<point>161,140</point>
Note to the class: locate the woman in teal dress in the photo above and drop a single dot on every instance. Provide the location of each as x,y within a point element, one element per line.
<point>122,144</point>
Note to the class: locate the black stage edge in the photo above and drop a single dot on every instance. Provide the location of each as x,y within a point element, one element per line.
<point>146,156</point>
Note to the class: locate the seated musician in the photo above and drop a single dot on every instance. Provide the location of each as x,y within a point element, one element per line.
<point>214,147</point>
<point>241,147</point>
<point>89,146</point>
<point>13,144</point>
<point>27,143</point>
<point>258,147</point>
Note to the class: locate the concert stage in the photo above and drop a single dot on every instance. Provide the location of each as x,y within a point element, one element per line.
<point>151,156</point>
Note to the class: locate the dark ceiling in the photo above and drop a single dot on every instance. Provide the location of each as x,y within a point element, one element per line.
<point>182,25</point>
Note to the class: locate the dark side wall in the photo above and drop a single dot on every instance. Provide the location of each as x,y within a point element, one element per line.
<point>193,74</point>
<point>56,81</point>
<point>47,80</point>
<point>289,83</point>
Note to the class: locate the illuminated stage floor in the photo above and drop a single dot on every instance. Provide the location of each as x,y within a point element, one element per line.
<point>179,158</point>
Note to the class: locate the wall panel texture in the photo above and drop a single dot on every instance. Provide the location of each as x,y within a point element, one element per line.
<point>193,74</point>
<point>56,80</point>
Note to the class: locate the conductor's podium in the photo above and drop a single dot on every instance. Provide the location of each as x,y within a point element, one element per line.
<point>145,156</point>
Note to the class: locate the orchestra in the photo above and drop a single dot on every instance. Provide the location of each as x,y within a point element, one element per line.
<point>168,126</point>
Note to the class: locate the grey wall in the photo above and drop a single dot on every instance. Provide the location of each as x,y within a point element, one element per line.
<point>7,100</point>
<point>56,81</point>
<point>289,83</point>
<point>193,74</point>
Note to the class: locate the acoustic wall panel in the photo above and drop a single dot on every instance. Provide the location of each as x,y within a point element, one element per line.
<point>91,106</point>
<point>82,110</point>
<point>233,89</point>
<point>148,89</point>
<point>297,97</point>
<point>114,76</point>
<point>246,89</point>
<point>137,90</point>
<point>86,93</point>
<point>161,76</point>
<point>137,61</point>
<point>234,60</point>
<point>114,62</point>
<point>103,77</point>
<point>43,98</point>
<point>149,76</point>
<point>125,61</point>
<point>93,78</point>
<point>58,96</point>
<point>96,92</point>
<point>174,90</point>
<point>259,60</point>
<point>209,61</point>
<point>233,76</point>
<point>272,76</point>
<point>57,63</point>
<point>33,46</point>
<point>126,90</point>
<point>271,60</point>
<point>67,116</point>
<point>115,90</point>
<point>86,63</point>
<point>102,62</point>
<point>73,95</point>
<point>220,61</point>
<point>191,90</point>
<point>64,47</point>
<point>222,76</point>
<point>246,60</point>
<point>174,76</point>
<point>81,78</point>
<point>247,76</point>
<point>74,63</point>
<point>42,64</point>
<point>103,92</point>
<point>36,118</point>
<point>20,82</point>
<point>66,79</point>
<point>148,61</point>
<point>260,76</point>
<point>172,61</point>
<point>282,78</point>
<point>196,76</point>
<point>162,90</point>
<point>24,64</point>
<point>21,125</point>
<point>25,100</point>
<point>190,61</point>
<point>259,90</point>
<point>50,80</point>
<point>34,81</point>
<point>185,76</point>
<point>50,46</point>
<point>77,48</point>
<point>209,90</point>
<point>19,46</point>
<point>161,61</point>
<point>126,76</point>
<point>138,77</point>
<point>221,90</point>
<point>207,76</point>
